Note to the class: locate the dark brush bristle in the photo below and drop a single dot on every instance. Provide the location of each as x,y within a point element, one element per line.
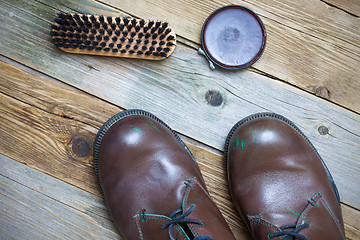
<point>117,20</point>
<point>61,15</point>
<point>109,19</point>
<point>114,50</point>
<point>161,30</point>
<point>148,53</point>
<point>144,48</point>
<point>117,33</point>
<point>101,19</point>
<point>52,33</point>
<point>156,54</point>
<point>137,28</point>
<point>162,54</point>
<point>136,47</point>
<point>140,53</point>
<point>151,49</point>
<point>133,22</point>
<point>157,25</point>
<point>146,41</point>
<point>93,18</point>
<point>70,35</point>
<point>87,42</point>
<point>94,43</point>
<point>162,43</point>
<point>154,36</point>
<point>111,45</point>
<point>70,29</point>
<point>142,22</point>
<point>106,38</point>
<point>119,45</point>
<point>125,33</point>
<point>93,31</point>
<point>91,37</point>
<point>106,49</point>
<point>62,28</point>
<point>129,27</point>
<point>170,38</point>
<point>128,46</point>
<point>153,29</point>
<point>167,31</point>
<point>81,23</point>
<point>147,35</point>
<point>101,31</point>
<point>154,42</point>
<point>88,24</point>
<point>138,41</point>
<point>97,25</point>
<point>83,36</point>
<point>133,34</point>
<point>109,31</point>
<point>53,26</point>
<point>85,30</point>
<point>170,44</point>
<point>126,21</point>
<point>61,34</point>
<point>131,51</point>
<point>130,40</point>
<point>140,35</point>
<point>159,49</point>
<point>122,39</point>
<point>146,29</point>
<point>165,25</point>
<point>103,44</point>
<point>104,25</point>
<point>121,27</point>
<point>76,16</point>
<point>99,37</point>
<point>90,48</point>
<point>150,24</point>
<point>113,26</point>
<point>123,51</point>
<point>98,49</point>
<point>81,47</point>
<point>114,39</point>
<point>166,49</point>
<point>85,18</point>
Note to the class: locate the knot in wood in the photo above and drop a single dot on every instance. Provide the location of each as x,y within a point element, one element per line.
<point>80,147</point>
<point>323,130</point>
<point>214,98</point>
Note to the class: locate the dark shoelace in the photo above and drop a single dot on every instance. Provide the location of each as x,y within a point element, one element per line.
<point>182,219</point>
<point>290,234</point>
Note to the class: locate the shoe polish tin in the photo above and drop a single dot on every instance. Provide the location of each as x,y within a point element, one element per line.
<point>233,37</point>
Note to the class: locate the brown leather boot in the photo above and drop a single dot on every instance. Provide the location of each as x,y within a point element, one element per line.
<point>151,183</point>
<point>279,183</point>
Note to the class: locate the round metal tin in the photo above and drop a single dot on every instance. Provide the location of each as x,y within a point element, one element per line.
<point>233,37</point>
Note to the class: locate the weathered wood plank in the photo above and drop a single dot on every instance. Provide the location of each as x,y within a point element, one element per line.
<point>27,103</point>
<point>34,205</point>
<point>146,85</point>
<point>51,127</point>
<point>310,44</point>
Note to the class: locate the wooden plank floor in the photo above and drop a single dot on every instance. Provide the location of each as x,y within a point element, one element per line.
<point>52,104</point>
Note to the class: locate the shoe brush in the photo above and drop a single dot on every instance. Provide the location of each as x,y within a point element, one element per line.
<point>113,36</point>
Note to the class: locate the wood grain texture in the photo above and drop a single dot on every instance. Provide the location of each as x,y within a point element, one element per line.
<point>49,126</point>
<point>349,6</point>
<point>310,44</point>
<point>34,205</point>
<point>181,79</point>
